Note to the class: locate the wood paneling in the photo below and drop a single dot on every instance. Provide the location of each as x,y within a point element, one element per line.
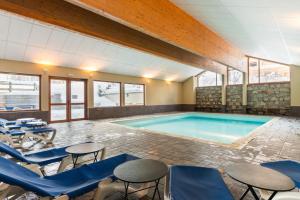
<point>67,15</point>
<point>163,20</point>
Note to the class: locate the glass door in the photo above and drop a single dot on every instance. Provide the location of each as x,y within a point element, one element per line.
<point>58,100</point>
<point>77,107</point>
<point>67,99</point>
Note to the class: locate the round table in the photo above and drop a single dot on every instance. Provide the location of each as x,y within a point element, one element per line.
<point>83,149</point>
<point>141,171</point>
<point>256,176</point>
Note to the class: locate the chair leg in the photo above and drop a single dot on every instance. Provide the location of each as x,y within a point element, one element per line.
<point>102,190</point>
<point>67,161</point>
<point>53,136</point>
<point>4,190</point>
<point>64,197</point>
<point>13,192</point>
<point>103,153</point>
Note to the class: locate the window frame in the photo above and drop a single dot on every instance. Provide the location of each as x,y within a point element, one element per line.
<point>120,96</point>
<point>123,95</point>
<point>235,70</point>
<point>40,96</point>
<point>216,85</point>
<point>261,59</point>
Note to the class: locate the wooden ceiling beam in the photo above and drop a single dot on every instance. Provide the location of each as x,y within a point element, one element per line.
<point>70,16</point>
<point>164,20</point>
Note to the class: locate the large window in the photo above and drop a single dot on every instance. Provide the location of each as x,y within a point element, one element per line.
<point>235,77</point>
<point>253,70</point>
<point>106,94</point>
<point>261,71</point>
<point>208,78</point>
<point>134,94</point>
<point>19,92</point>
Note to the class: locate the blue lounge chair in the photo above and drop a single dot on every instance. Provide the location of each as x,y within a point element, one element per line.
<point>9,124</point>
<point>196,183</point>
<point>14,132</point>
<point>39,135</point>
<point>42,158</point>
<point>41,130</point>
<point>287,167</point>
<point>4,122</point>
<point>72,183</point>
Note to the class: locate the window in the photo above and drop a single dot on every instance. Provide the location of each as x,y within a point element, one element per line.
<point>262,71</point>
<point>208,78</point>
<point>253,71</point>
<point>106,94</point>
<point>273,72</point>
<point>19,92</point>
<point>235,77</point>
<point>134,94</point>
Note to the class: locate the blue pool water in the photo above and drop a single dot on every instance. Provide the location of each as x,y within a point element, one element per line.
<point>222,128</point>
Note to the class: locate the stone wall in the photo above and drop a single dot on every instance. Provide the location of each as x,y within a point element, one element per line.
<point>269,98</point>
<point>263,99</point>
<point>234,99</point>
<point>209,98</point>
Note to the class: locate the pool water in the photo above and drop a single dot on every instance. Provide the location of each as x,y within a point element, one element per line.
<point>221,128</point>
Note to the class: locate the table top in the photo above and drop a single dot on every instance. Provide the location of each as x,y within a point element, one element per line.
<point>260,177</point>
<point>84,148</point>
<point>141,171</point>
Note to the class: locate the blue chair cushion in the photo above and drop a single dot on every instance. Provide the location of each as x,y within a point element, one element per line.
<point>13,132</point>
<point>197,183</point>
<point>287,167</point>
<point>12,152</point>
<point>13,127</point>
<point>42,158</point>
<point>47,156</point>
<point>74,182</point>
<point>41,130</point>
<point>4,122</point>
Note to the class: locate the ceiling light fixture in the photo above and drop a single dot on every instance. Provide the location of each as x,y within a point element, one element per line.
<point>45,62</point>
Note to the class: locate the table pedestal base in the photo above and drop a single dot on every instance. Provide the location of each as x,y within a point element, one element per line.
<point>250,188</point>
<point>76,156</point>
<point>156,190</point>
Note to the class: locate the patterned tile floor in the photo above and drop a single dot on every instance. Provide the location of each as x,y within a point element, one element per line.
<point>278,140</point>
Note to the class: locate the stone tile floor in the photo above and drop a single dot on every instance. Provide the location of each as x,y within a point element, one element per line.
<point>278,140</point>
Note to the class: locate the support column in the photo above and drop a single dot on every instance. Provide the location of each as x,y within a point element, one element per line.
<point>245,97</point>
<point>224,85</point>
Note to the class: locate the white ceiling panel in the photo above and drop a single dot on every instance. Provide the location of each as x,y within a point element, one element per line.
<point>2,49</point>
<point>72,43</point>
<point>34,53</point>
<point>14,51</point>
<point>39,35</point>
<point>32,41</point>
<point>4,27</point>
<point>261,28</point>
<point>57,39</point>
<point>87,46</point>
<point>19,30</point>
